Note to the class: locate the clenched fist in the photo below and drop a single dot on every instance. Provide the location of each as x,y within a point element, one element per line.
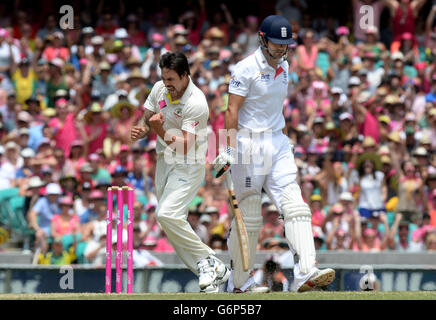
<point>138,133</point>
<point>156,121</point>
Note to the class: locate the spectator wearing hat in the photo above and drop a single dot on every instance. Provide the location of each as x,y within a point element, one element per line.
<point>95,130</point>
<point>58,255</point>
<point>83,203</point>
<point>23,78</point>
<point>103,81</point>
<point>32,192</point>
<point>8,51</point>
<point>66,222</point>
<point>85,174</point>
<point>41,214</point>
<point>56,80</point>
<point>69,186</point>
<point>56,49</point>
<point>220,24</point>
<point>99,172</point>
<point>124,117</point>
<point>272,226</point>
<point>216,226</point>
<point>317,211</point>
<point>11,164</point>
<point>338,239</point>
<point>23,138</point>
<point>25,171</point>
<point>96,197</point>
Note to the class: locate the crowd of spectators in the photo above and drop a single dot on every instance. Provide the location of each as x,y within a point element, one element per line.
<point>360,113</point>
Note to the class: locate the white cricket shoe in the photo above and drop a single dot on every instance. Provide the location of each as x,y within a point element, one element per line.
<point>320,278</point>
<point>222,272</point>
<point>206,273</point>
<point>212,268</point>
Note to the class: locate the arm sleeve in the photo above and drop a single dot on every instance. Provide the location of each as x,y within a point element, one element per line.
<point>151,102</point>
<point>239,82</point>
<point>195,121</point>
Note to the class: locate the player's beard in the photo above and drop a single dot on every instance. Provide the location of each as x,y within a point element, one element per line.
<point>173,92</point>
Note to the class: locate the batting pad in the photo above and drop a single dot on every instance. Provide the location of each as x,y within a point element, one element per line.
<point>251,213</point>
<point>298,226</point>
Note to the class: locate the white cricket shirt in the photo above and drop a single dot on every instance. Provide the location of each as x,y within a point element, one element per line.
<point>190,113</point>
<point>264,89</point>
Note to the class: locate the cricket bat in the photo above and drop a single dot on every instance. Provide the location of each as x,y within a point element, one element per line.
<point>239,223</point>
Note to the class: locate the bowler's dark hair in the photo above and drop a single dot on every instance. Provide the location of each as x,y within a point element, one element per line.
<point>176,61</point>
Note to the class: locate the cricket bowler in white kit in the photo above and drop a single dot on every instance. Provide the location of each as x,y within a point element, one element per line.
<point>257,90</point>
<point>178,112</point>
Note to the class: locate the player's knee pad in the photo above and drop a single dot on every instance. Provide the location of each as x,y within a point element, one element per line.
<point>298,226</point>
<point>251,211</point>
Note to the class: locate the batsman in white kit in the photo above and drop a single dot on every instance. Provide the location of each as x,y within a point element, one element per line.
<point>178,112</point>
<point>257,91</point>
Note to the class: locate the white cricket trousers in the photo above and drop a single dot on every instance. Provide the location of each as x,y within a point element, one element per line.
<point>176,187</point>
<point>272,168</point>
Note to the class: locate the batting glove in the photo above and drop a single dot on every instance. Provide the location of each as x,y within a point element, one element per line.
<point>224,160</point>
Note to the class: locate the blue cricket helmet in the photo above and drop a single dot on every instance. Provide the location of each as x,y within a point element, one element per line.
<point>277,29</point>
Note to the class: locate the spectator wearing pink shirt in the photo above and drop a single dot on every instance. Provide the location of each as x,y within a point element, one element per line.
<point>307,53</point>
<point>95,130</point>
<point>55,49</point>
<point>64,126</point>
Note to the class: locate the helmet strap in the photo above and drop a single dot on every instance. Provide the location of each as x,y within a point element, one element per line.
<point>264,45</point>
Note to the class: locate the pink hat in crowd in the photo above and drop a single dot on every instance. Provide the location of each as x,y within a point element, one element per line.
<point>157,37</point>
<point>96,194</point>
<point>67,200</point>
<point>420,65</point>
<point>149,206</point>
<point>61,102</point>
<point>406,36</point>
<point>369,232</point>
<point>3,33</point>
<point>342,30</point>
<point>150,241</point>
<point>341,233</point>
<point>124,147</point>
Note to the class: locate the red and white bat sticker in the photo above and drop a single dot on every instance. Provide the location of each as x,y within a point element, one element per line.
<point>194,124</point>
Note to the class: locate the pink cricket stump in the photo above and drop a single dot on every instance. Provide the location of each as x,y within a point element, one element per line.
<point>130,241</point>
<point>109,240</point>
<point>119,257</point>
